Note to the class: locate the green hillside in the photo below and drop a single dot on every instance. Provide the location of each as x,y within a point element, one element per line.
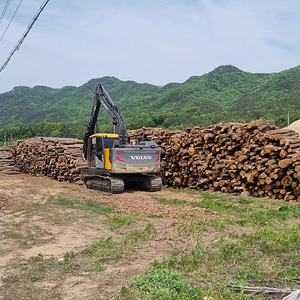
<point>225,94</point>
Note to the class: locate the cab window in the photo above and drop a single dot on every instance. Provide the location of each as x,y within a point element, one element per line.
<point>109,142</point>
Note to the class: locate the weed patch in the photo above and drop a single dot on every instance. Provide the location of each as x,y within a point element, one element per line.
<point>88,205</point>
<point>172,201</point>
<point>161,283</point>
<point>257,213</point>
<point>120,220</point>
<point>268,253</point>
<point>107,249</point>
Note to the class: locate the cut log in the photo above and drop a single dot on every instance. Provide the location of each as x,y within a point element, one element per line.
<point>284,163</point>
<point>286,180</point>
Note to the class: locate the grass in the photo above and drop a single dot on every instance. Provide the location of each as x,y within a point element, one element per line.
<point>116,221</point>
<point>104,250</point>
<point>92,259</point>
<point>172,201</point>
<point>161,283</point>
<point>266,254</point>
<point>119,220</point>
<point>236,241</point>
<point>33,235</point>
<point>63,219</point>
<point>251,212</point>
<point>86,205</point>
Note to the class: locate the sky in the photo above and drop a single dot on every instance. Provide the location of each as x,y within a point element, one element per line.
<point>152,41</point>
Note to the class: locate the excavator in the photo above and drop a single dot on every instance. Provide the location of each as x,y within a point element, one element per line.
<point>113,161</point>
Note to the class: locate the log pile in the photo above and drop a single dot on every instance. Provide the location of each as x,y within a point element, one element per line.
<point>7,162</point>
<point>254,159</point>
<point>56,158</point>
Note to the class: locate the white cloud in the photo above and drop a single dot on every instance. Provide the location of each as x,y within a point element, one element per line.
<point>158,41</point>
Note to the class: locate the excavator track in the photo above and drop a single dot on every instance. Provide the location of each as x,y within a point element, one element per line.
<point>108,184</point>
<point>116,185</point>
<point>153,183</point>
<point>145,182</point>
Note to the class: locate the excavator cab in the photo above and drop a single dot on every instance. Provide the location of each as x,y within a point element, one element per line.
<point>99,149</point>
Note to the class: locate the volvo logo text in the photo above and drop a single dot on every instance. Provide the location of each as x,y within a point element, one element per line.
<point>141,157</point>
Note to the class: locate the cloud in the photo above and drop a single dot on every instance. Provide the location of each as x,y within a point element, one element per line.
<point>148,41</point>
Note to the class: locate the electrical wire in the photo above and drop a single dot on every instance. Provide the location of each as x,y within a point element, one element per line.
<point>10,20</point>
<point>4,10</point>
<point>21,40</point>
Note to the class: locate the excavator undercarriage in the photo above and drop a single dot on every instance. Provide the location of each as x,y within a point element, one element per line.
<point>116,184</point>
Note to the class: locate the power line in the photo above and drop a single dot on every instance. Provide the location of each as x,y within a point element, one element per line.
<point>4,10</point>
<point>21,40</point>
<point>10,20</point>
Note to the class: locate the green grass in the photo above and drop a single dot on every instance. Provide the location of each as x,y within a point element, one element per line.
<point>91,259</point>
<point>248,259</point>
<point>272,240</point>
<point>161,283</point>
<point>87,205</point>
<point>266,254</point>
<point>68,264</point>
<point>103,245</point>
<point>235,241</point>
<point>135,236</point>
<point>247,211</point>
<point>108,249</point>
<point>119,220</point>
<point>150,229</point>
<point>38,273</point>
<point>206,224</point>
<point>172,201</point>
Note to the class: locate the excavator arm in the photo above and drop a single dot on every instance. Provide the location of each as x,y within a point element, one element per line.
<point>102,98</point>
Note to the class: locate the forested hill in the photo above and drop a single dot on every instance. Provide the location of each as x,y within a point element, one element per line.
<point>224,94</point>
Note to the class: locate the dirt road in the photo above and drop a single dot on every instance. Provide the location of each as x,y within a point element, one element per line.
<point>39,237</point>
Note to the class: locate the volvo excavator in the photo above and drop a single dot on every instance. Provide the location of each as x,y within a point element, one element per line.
<point>112,161</point>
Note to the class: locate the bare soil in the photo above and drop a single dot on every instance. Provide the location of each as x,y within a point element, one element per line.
<point>32,227</point>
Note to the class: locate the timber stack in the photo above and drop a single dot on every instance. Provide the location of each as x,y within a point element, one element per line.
<point>253,159</point>
<point>7,162</point>
<point>56,158</point>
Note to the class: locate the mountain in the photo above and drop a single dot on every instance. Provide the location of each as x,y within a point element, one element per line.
<point>224,94</point>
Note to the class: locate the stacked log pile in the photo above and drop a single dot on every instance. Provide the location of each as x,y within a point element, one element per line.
<point>250,159</point>
<point>255,159</point>
<point>56,158</point>
<point>7,162</point>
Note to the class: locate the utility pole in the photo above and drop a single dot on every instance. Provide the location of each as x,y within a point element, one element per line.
<point>288,124</point>
<point>5,138</point>
<point>11,139</point>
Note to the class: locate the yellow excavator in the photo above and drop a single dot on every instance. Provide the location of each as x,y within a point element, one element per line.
<point>112,161</point>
